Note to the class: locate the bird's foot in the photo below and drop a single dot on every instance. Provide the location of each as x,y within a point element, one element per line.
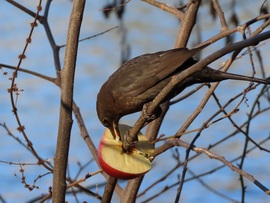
<point>129,142</point>
<point>150,116</point>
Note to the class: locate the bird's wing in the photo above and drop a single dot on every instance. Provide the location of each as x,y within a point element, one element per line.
<point>143,72</point>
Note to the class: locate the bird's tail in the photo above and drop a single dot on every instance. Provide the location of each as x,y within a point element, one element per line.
<point>210,75</point>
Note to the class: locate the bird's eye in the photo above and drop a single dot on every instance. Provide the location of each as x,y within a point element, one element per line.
<point>105,122</point>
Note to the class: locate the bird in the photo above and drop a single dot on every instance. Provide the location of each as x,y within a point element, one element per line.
<point>139,80</point>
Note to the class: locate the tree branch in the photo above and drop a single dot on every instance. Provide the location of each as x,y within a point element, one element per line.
<point>65,120</point>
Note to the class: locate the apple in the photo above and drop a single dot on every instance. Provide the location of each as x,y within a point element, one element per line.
<point>116,163</point>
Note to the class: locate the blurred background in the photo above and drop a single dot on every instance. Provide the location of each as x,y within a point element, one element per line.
<point>147,29</point>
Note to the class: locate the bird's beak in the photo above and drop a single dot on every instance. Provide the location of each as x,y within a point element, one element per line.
<point>115,131</point>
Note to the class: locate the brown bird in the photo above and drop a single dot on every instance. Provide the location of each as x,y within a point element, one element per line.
<point>139,80</point>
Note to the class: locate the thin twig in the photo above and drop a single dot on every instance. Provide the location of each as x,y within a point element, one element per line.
<point>170,9</point>
<point>227,163</point>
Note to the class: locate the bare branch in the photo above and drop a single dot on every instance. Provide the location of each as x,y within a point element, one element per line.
<point>165,7</point>
<point>65,120</point>
<point>224,161</point>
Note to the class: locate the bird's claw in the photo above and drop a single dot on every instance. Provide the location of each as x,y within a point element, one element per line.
<point>150,116</point>
<point>129,142</point>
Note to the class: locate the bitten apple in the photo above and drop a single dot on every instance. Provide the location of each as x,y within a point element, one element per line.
<point>116,163</point>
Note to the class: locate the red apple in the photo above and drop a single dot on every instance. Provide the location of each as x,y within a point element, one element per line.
<point>122,165</point>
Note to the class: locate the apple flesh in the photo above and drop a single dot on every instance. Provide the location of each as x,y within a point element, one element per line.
<point>116,163</point>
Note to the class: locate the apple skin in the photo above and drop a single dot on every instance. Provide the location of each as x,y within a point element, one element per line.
<point>122,165</point>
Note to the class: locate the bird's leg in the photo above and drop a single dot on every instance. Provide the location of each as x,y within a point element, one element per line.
<point>131,136</point>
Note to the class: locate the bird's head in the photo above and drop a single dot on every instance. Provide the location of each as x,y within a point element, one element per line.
<point>107,115</point>
<point>111,123</point>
